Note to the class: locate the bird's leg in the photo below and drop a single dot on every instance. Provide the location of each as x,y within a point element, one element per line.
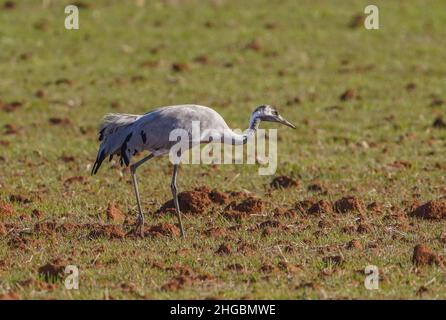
<point>140,221</point>
<point>173,187</point>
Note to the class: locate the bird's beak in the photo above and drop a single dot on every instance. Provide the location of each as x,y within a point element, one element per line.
<point>282,120</point>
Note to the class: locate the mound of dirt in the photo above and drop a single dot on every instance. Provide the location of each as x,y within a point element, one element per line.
<point>53,270</point>
<point>2,229</point>
<point>107,231</point>
<point>47,227</point>
<point>9,296</point>
<point>348,204</point>
<point>6,209</point>
<point>322,206</point>
<point>250,205</point>
<point>284,182</point>
<point>348,95</point>
<point>304,205</point>
<point>422,255</point>
<point>193,202</point>
<point>439,123</point>
<point>435,209</point>
<point>162,229</point>
<point>284,212</point>
<point>219,197</point>
<point>224,249</point>
<point>215,232</point>
<point>355,244</point>
<point>114,214</point>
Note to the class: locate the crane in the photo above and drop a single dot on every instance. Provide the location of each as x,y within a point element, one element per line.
<point>125,135</point>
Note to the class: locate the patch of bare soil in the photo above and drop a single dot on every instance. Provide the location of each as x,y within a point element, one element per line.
<point>322,206</point>
<point>246,248</point>
<point>6,210</point>
<point>349,94</point>
<point>439,123</point>
<point>375,207</point>
<point>9,296</point>
<point>288,267</point>
<point>114,214</point>
<point>215,232</point>
<point>348,204</point>
<point>52,270</point>
<point>237,267</point>
<point>316,187</point>
<point>3,230</point>
<point>107,231</point>
<point>284,182</point>
<point>219,197</point>
<point>250,205</point>
<point>269,268</point>
<point>59,121</point>
<point>224,249</point>
<point>435,209</point>
<point>162,229</point>
<point>335,260</point>
<point>355,244</point>
<point>11,106</point>
<point>304,205</point>
<point>356,21</point>
<point>181,281</point>
<point>422,255</point>
<point>284,212</point>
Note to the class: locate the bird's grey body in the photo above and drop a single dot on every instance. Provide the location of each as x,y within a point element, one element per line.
<point>126,134</point>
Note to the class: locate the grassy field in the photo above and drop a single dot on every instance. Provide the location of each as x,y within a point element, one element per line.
<point>378,145</point>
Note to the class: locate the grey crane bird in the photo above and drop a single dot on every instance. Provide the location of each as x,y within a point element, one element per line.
<point>125,135</point>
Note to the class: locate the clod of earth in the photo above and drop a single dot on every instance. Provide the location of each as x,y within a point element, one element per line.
<point>435,210</point>
<point>6,209</point>
<point>348,204</point>
<point>224,249</point>
<point>439,123</point>
<point>107,231</point>
<point>53,270</point>
<point>194,202</point>
<point>322,206</point>
<point>284,182</point>
<point>355,244</point>
<point>250,205</point>
<point>348,95</point>
<point>162,229</point>
<point>114,214</point>
<point>9,296</point>
<point>422,255</point>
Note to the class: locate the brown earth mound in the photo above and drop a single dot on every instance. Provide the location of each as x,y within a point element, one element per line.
<point>284,182</point>
<point>53,270</point>
<point>304,205</point>
<point>322,206</point>
<point>224,249</point>
<point>194,202</point>
<point>435,209</point>
<point>348,204</point>
<point>6,209</point>
<point>107,231</point>
<point>250,205</point>
<point>422,256</point>
<point>162,229</point>
<point>114,214</point>
<point>219,197</point>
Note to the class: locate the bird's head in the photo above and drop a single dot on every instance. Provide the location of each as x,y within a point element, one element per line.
<point>269,113</point>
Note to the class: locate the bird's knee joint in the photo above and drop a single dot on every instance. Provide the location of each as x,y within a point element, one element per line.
<point>133,169</point>
<point>173,187</point>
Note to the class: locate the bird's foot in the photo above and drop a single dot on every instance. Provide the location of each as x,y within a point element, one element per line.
<point>139,227</point>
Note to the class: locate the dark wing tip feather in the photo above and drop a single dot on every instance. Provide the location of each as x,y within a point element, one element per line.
<point>98,162</point>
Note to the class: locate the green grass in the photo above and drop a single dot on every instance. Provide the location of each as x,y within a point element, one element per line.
<point>311,53</point>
